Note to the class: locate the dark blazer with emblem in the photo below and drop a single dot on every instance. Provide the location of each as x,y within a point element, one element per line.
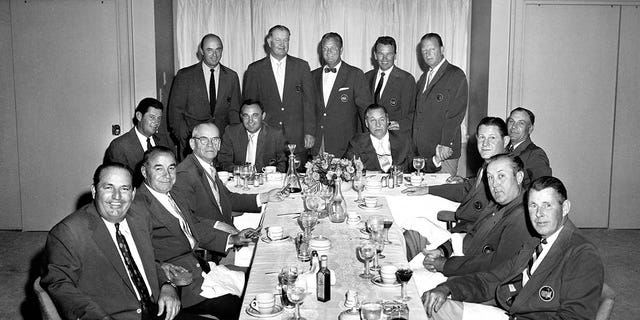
<point>361,146</point>
<point>269,151</point>
<point>189,101</point>
<point>84,273</point>
<point>398,96</point>
<point>496,237</point>
<point>440,110</point>
<point>192,186</point>
<point>570,279</point>
<point>295,113</point>
<point>126,149</point>
<point>534,158</point>
<point>171,245</point>
<point>343,116</point>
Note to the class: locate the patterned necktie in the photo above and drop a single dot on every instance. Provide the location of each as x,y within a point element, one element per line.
<point>183,224</point>
<point>251,149</point>
<point>429,75</point>
<point>212,93</point>
<point>535,256</point>
<point>379,88</point>
<point>134,272</point>
<point>149,146</point>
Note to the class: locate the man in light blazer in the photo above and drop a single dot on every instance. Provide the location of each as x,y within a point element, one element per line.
<point>282,83</point>
<point>342,99</point>
<point>204,92</point>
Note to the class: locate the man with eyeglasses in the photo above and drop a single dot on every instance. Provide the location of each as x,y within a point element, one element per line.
<point>129,148</point>
<point>254,141</point>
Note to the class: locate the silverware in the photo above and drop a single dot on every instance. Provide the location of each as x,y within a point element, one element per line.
<point>287,214</point>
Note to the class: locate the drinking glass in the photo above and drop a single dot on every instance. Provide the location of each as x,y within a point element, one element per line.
<point>286,278</point>
<point>403,275</point>
<point>312,202</point>
<point>326,193</point>
<point>418,164</point>
<point>245,172</point>
<point>387,223</point>
<point>378,243</point>
<point>236,175</point>
<point>375,223</point>
<point>371,310</point>
<point>295,296</point>
<point>358,185</point>
<point>307,221</point>
<point>366,251</point>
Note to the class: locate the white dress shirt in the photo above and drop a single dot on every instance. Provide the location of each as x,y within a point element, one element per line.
<point>279,68</point>
<point>328,79</point>
<point>383,149</point>
<point>433,72</point>
<point>143,139</point>
<point>384,81</point>
<point>206,70</point>
<point>164,200</point>
<point>545,249</point>
<point>252,146</point>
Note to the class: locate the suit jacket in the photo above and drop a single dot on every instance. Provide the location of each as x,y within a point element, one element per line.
<point>269,151</point>
<point>126,149</point>
<point>189,101</point>
<point>493,239</point>
<point>295,112</point>
<point>398,96</point>
<point>343,116</point>
<point>440,110</point>
<point>171,245</point>
<point>84,273</point>
<point>571,275</point>
<point>361,146</point>
<point>192,186</point>
<point>534,158</point>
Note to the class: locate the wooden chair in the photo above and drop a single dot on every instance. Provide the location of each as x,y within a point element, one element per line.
<point>47,308</point>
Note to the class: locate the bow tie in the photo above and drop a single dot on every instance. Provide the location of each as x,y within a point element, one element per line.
<point>327,70</point>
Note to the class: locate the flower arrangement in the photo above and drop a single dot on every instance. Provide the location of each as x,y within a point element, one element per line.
<point>325,169</point>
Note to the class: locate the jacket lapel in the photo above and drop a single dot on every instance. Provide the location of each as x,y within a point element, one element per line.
<point>395,147</point>
<point>318,80</point>
<point>142,238</point>
<point>242,145</point>
<point>260,147</point>
<point>391,84</point>
<point>372,82</point>
<point>162,214</point>
<point>267,70</point>
<point>201,84</point>
<point>437,76</point>
<point>341,78</point>
<point>204,180</point>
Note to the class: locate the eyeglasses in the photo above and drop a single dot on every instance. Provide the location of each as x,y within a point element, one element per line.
<point>206,140</point>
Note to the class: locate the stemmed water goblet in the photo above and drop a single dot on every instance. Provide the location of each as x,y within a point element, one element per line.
<point>312,202</point>
<point>326,193</point>
<point>307,221</point>
<point>286,278</point>
<point>418,164</point>
<point>245,172</point>
<point>378,242</point>
<point>236,175</point>
<point>403,275</point>
<point>366,251</point>
<point>358,185</point>
<point>295,296</point>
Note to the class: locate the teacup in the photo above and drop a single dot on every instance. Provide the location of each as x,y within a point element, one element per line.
<point>275,232</point>
<point>416,180</point>
<point>264,302</point>
<point>223,175</point>
<point>269,169</point>
<point>370,202</point>
<point>388,273</point>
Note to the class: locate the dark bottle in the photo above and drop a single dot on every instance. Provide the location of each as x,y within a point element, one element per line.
<point>323,281</point>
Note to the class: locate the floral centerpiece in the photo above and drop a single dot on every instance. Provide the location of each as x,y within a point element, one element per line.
<point>325,169</point>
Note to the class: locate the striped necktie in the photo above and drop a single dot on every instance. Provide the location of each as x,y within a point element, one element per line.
<point>535,256</point>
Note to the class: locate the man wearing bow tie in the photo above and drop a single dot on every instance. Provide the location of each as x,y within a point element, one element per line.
<point>341,101</point>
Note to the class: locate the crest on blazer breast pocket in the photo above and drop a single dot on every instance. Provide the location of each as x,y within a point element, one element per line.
<point>298,88</point>
<point>344,97</point>
<point>439,97</point>
<point>393,102</point>
<point>546,293</point>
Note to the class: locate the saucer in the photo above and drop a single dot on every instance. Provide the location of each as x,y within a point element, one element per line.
<point>267,239</point>
<point>362,206</point>
<point>377,280</point>
<point>277,309</point>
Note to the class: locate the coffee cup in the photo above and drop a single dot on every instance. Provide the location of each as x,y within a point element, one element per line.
<point>275,232</point>
<point>388,274</point>
<point>416,180</point>
<point>263,302</point>
<point>370,202</point>
<point>223,175</point>
<point>269,169</point>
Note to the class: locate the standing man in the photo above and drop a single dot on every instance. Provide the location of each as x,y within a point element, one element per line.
<point>204,92</point>
<point>342,98</point>
<point>129,148</point>
<point>441,104</point>
<point>99,259</point>
<point>520,124</point>
<point>283,86</point>
<point>254,141</point>
<point>392,87</point>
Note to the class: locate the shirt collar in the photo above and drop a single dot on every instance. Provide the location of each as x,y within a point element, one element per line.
<point>337,67</point>
<point>384,139</point>
<point>207,70</point>
<point>155,193</point>
<point>552,238</point>
<point>386,72</point>
<point>255,134</point>
<point>435,70</point>
<point>203,163</point>
<point>274,61</point>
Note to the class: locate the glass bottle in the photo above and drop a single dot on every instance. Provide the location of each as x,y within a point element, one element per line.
<point>338,207</point>
<point>323,281</point>
<point>352,312</point>
<point>292,180</point>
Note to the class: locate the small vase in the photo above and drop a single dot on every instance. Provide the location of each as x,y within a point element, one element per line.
<point>338,206</point>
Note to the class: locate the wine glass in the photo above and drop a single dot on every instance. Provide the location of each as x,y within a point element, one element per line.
<point>326,193</point>
<point>286,278</point>
<point>295,296</point>
<point>358,185</point>
<point>378,242</point>
<point>312,202</point>
<point>387,223</point>
<point>307,221</point>
<point>245,172</point>
<point>371,310</point>
<point>365,252</point>
<point>236,175</point>
<point>418,164</point>
<point>403,275</point>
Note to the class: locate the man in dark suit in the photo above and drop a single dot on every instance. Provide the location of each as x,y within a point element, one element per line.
<point>204,92</point>
<point>176,233</point>
<point>129,148</point>
<point>342,97</point>
<point>520,124</point>
<point>283,85</point>
<point>558,276</point>
<point>441,104</point>
<point>392,87</point>
<point>253,141</point>
<point>99,259</point>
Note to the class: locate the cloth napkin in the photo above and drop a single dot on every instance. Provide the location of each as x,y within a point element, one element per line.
<point>220,281</point>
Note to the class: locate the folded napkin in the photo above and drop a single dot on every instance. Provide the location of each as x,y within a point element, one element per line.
<point>424,279</point>
<point>220,281</point>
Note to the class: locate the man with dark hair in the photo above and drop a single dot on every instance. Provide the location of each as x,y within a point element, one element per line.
<point>521,123</point>
<point>556,276</point>
<point>204,92</point>
<point>342,97</point>
<point>282,83</point>
<point>254,141</point>
<point>99,260</point>
<point>129,148</point>
<point>392,87</point>
<point>441,105</point>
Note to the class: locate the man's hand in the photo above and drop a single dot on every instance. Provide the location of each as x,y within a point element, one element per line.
<point>225,227</point>
<point>309,141</point>
<point>445,151</point>
<point>435,253</point>
<point>434,299</point>
<point>393,125</point>
<point>168,302</point>
<point>171,270</point>
<point>434,264</point>
<point>243,237</point>
<point>272,195</point>
<point>455,179</point>
<point>416,191</point>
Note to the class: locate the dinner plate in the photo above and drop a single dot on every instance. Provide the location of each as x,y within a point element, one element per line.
<point>377,280</point>
<point>364,207</point>
<point>267,239</point>
<point>277,309</point>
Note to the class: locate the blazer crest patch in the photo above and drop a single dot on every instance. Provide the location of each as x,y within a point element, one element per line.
<point>546,293</point>
<point>393,102</point>
<point>439,97</point>
<point>298,88</point>
<point>344,97</point>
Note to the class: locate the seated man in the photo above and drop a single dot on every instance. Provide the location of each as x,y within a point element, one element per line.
<point>558,276</point>
<point>380,148</point>
<point>99,259</point>
<point>492,139</point>
<point>520,124</point>
<point>176,233</point>
<point>129,147</point>
<point>496,236</point>
<point>253,141</point>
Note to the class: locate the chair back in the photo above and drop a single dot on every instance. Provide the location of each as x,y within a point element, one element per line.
<point>606,303</point>
<point>47,308</point>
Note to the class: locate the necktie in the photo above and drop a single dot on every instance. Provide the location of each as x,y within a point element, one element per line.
<point>183,224</point>
<point>383,158</point>
<point>379,88</point>
<point>280,78</point>
<point>251,149</point>
<point>212,93</point>
<point>426,84</point>
<point>535,256</point>
<point>134,272</point>
<point>327,70</point>
<point>149,146</point>
<point>214,186</point>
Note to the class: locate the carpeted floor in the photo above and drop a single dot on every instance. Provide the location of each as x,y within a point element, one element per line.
<point>20,254</point>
